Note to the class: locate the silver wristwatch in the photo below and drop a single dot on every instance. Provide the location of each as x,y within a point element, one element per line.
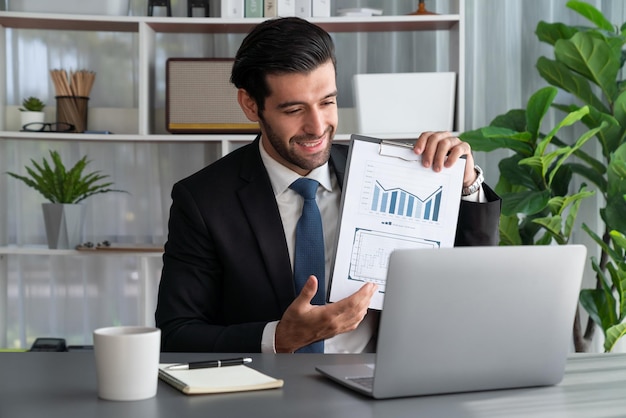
<point>473,188</point>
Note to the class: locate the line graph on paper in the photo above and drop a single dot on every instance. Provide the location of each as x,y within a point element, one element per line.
<point>387,191</point>
<point>371,251</point>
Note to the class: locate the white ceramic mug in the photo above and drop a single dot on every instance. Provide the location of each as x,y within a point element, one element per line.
<point>127,362</point>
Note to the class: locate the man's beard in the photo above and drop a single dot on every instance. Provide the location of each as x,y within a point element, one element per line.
<point>306,163</point>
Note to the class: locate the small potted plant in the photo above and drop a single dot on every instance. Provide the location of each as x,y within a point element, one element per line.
<point>32,110</point>
<point>64,189</point>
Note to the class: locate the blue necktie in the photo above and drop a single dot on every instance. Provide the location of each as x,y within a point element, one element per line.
<point>309,254</point>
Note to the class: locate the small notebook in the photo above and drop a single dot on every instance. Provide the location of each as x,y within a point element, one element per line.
<point>217,379</point>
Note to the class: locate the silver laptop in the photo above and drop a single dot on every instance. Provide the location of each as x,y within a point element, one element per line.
<point>471,319</point>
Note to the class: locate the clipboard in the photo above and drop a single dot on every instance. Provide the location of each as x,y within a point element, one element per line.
<point>389,201</point>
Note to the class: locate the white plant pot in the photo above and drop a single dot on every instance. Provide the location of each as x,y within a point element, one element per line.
<point>64,224</point>
<point>30,117</point>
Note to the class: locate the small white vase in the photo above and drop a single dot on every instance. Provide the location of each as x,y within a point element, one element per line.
<point>30,117</point>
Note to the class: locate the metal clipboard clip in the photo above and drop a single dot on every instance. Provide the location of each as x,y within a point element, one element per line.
<point>401,150</point>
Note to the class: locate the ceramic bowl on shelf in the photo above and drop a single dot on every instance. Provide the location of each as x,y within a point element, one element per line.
<point>88,7</point>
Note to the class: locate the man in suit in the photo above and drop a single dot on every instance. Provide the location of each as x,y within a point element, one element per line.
<point>227,283</point>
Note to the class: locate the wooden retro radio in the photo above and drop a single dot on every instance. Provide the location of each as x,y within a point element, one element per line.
<point>201,99</point>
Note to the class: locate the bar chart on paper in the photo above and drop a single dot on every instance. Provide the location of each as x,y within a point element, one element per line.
<point>400,202</point>
<point>387,192</point>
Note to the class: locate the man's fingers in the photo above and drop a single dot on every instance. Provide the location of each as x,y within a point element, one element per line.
<point>308,291</point>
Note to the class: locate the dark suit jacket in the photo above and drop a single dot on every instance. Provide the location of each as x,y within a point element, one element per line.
<point>226,270</point>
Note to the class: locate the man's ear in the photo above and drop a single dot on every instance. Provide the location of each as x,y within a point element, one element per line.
<point>248,105</point>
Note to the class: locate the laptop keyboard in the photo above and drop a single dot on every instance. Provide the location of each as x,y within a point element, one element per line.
<point>365,382</point>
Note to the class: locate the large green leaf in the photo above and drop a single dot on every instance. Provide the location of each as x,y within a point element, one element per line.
<point>514,120</point>
<point>562,157</point>
<point>594,15</point>
<point>517,174</point>
<point>592,58</point>
<point>529,203</point>
<point>613,334</point>
<point>561,181</point>
<point>619,109</point>
<point>574,206</point>
<point>595,304</point>
<point>569,119</point>
<point>610,136</point>
<point>552,225</point>
<point>559,75</point>
<point>537,107</point>
<point>615,209</point>
<point>491,138</point>
<point>552,32</point>
<point>509,231</point>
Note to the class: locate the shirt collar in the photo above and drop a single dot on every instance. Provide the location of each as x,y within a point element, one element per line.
<point>281,177</point>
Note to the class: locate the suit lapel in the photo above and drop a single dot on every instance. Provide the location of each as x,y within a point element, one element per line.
<point>259,205</point>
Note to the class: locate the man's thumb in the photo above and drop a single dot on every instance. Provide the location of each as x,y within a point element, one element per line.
<point>309,289</point>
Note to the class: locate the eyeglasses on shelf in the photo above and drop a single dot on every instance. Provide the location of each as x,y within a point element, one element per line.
<point>48,127</point>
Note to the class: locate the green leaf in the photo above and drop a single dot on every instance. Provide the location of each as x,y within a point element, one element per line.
<point>559,75</point>
<point>509,231</point>
<point>591,13</point>
<point>570,150</point>
<point>574,202</point>
<point>619,240</point>
<point>592,58</point>
<point>529,203</point>
<point>514,120</point>
<point>537,107</point>
<point>594,303</point>
<point>619,108</point>
<point>520,175</point>
<point>618,279</point>
<point>491,138</point>
<point>552,225</point>
<point>552,32</point>
<point>569,119</point>
<point>613,334</point>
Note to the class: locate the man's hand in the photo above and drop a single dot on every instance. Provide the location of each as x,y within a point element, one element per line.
<point>434,147</point>
<point>303,323</point>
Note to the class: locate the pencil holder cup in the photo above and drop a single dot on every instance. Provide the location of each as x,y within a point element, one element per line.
<point>73,110</point>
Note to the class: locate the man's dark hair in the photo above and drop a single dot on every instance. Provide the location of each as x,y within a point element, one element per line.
<point>279,46</point>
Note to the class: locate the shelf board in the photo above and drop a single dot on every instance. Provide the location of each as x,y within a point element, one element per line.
<point>22,20</point>
<point>217,138</point>
<point>43,250</point>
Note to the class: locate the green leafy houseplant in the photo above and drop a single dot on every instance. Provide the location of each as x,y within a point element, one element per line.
<point>59,185</point>
<point>534,182</point>
<point>32,104</point>
<point>587,65</point>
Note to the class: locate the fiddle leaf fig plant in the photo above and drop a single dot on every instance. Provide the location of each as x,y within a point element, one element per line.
<point>59,185</point>
<point>586,68</point>
<point>537,207</point>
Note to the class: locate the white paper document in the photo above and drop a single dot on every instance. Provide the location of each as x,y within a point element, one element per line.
<point>390,201</point>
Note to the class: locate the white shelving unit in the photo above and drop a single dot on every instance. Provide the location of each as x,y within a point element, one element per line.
<point>147,29</point>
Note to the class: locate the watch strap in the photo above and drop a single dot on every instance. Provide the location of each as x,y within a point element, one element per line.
<point>473,188</point>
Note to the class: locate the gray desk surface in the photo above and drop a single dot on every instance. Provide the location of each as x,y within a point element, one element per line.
<point>58,385</point>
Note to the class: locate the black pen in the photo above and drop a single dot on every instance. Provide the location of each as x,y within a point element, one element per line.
<point>210,363</point>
